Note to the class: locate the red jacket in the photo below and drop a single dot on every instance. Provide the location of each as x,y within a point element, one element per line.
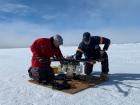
<point>43,47</point>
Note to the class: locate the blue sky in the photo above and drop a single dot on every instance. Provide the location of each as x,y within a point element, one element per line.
<point>22,21</point>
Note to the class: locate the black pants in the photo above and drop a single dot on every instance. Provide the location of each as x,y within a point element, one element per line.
<point>45,73</point>
<point>104,65</point>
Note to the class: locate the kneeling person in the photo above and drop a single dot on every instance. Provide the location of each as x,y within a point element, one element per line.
<point>42,49</point>
<point>92,51</point>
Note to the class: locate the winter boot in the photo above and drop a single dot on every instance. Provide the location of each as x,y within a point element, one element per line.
<point>104,77</point>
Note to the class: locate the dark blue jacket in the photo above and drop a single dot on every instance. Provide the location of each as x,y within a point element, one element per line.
<point>93,49</point>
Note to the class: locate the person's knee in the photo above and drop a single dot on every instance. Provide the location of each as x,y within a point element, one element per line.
<point>34,73</point>
<point>88,68</point>
<point>29,72</point>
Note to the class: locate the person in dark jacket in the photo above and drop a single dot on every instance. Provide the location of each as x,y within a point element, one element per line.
<point>42,49</point>
<point>92,52</point>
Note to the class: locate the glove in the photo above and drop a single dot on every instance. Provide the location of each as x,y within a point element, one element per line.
<point>102,52</point>
<point>92,61</point>
<point>62,61</point>
<point>41,60</point>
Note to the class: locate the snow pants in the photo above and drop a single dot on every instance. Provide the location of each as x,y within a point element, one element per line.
<point>104,64</point>
<point>41,74</point>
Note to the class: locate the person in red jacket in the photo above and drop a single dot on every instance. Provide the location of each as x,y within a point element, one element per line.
<point>43,49</point>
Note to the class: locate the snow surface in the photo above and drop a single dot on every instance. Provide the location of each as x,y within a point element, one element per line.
<point>123,88</point>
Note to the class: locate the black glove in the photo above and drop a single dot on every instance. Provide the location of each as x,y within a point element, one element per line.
<point>102,52</point>
<point>62,61</point>
<point>91,60</point>
<point>41,60</point>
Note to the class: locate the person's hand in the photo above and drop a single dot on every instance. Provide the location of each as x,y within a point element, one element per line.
<point>92,61</point>
<point>62,60</point>
<point>41,60</point>
<point>102,52</point>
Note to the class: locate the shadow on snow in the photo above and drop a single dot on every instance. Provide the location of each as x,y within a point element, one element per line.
<point>119,80</point>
